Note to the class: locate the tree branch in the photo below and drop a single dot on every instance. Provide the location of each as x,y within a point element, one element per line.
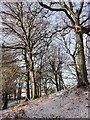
<point>81,7</point>
<point>85,20</point>
<point>13,47</point>
<point>70,4</point>
<point>86,29</point>
<point>58,9</point>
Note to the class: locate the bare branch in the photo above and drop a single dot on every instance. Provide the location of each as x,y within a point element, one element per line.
<point>85,20</point>
<point>57,9</point>
<point>81,7</point>
<point>70,4</point>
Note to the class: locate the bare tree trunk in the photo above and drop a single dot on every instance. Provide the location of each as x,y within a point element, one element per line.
<point>5,100</point>
<point>27,87</point>
<point>14,94</point>
<point>39,87</point>
<point>32,81</point>
<point>81,61</point>
<point>60,82</point>
<point>76,69</point>
<point>32,78</point>
<point>45,87</point>
<point>27,78</point>
<point>56,82</point>
<point>40,80</point>
<point>19,95</point>
<point>9,97</point>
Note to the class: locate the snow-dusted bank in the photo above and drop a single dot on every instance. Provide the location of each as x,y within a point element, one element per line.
<point>70,103</point>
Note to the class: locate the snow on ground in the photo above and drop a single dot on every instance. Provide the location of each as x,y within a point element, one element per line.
<point>69,103</point>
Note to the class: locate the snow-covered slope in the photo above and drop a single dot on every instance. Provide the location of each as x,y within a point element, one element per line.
<point>69,103</point>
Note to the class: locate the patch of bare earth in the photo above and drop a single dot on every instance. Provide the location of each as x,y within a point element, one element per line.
<point>69,103</point>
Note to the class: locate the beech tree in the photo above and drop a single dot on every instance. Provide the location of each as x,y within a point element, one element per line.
<point>73,11</point>
<point>26,21</point>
